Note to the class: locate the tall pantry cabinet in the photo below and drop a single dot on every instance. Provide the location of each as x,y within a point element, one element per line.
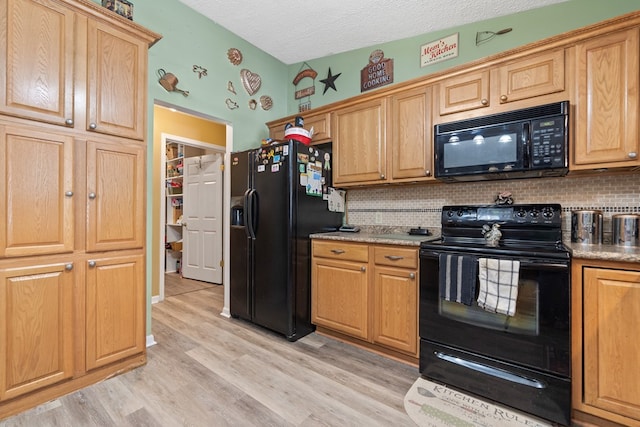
<point>73,82</point>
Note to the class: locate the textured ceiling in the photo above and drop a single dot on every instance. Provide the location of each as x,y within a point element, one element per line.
<point>299,30</point>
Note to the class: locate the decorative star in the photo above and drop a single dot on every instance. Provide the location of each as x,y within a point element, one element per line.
<point>329,82</point>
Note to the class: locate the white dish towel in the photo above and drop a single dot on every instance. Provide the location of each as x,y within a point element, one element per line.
<point>498,279</point>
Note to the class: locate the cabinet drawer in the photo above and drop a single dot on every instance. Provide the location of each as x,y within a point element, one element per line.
<point>396,257</point>
<point>341,250</point>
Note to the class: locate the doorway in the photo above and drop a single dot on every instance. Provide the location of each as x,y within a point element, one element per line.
<point>191,210</point>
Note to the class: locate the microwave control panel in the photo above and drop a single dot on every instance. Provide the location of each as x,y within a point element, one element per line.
<point>548,142</point>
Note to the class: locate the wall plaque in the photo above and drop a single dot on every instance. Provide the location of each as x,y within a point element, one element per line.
<point>377,73</point>
<point>439,50</point>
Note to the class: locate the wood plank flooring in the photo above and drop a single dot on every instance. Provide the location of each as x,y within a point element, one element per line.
<point>207,370</point>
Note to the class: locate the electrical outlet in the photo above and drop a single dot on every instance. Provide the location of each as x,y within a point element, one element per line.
<point>378,217</point>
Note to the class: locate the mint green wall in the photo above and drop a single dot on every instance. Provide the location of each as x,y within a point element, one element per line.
<point>527,27</point>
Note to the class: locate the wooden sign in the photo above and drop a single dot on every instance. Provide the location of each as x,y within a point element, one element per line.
<point>439,50</point>
<point>377,73</point>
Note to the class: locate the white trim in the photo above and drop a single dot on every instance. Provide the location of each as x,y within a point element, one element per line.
<point>226,218</point>
<point>151,341</point>
<point>155,299</point>
<point>164,138</point>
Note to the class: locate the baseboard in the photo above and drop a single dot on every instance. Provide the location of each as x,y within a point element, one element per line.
<point>155,299</point>
<point>225,312</point>
<point>151,340</point>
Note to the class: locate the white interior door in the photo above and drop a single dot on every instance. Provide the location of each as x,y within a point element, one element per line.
<point>202,218</point>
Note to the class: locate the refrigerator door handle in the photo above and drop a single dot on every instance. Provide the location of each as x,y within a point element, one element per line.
<point>255,204</point>
<point>251,212</point>
<point>247,213</point>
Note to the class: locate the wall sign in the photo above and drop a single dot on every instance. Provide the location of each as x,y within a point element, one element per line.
<point>439,50</point>
<point>303,95</point>
<point>377,73</point>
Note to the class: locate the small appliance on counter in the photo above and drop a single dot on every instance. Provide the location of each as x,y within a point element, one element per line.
<point>586,226</point>
<point>625,229</point>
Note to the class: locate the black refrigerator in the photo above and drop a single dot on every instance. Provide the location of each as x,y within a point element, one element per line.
<point>278,198</point>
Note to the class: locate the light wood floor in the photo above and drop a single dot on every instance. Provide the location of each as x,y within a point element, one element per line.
<point>207,370</point>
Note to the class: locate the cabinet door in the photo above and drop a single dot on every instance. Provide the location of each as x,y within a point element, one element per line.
<point>117,84</point>
<point>606,122</point>
<point>115,309</point>
<point>395,318</point>
<point>36,327</point>
<point>36,206</point>
<point>611,346</point>
<point>360,143</point>
<point>115,192</point>
<point>465,92</point>
<point>36,60</point>
<point>412,146</point>
<point>537,75</point>
<point>339,295</point>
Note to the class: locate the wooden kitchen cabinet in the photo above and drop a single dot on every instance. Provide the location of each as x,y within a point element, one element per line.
<point>606,326</point>
<point>115,196</point>
<point>532,76</point>
<point>320,122</point>
<point>360,143</point>
<point>36,327</point>
<point>368,292</point>
<point>115,309</point>
<point>606,102</point>
<point>340,287</point>
<point>36,206</point>
<point>395,291</point>
<point>411,147</point>
<point>111,82</point>
<point>73,88</point>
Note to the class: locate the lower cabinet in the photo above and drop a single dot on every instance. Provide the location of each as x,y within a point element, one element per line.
<point>606,327</point>
<point>36,327</point>
<point>115,309</point>
<point>367,292</point>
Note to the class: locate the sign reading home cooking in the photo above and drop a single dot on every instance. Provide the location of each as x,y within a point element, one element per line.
<point>378,72</point>
<point>439,50</point>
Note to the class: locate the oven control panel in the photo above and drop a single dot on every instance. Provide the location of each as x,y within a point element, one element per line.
<point>526,214</point>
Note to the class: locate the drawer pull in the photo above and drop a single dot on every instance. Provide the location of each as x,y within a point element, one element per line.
<point>337,251</point>
<point>394,257</point>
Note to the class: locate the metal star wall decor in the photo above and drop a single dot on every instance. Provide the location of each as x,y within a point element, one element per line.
<point>329,82</point>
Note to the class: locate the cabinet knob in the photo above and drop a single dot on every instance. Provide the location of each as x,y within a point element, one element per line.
<point>382,176</point>
<point>68,267</point>
<point>337,251</point>
<point>92,126</point>
<point>412,276</point>
<point>427,173</point>
<point>363,268</point>
<point>484,101</point>
<point>92,195</point>
<point>92,263</point>
<point>68,122</point>
<point>633,155</point>
<point>503,98</point>
<point>68,193</point>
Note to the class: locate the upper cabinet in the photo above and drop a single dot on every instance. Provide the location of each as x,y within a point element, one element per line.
<point>36,61</point>
<point>39,78</point>
<point>606,102</point>
<point>532,76</point>
<point>321,124</point>
<point>359,143</point>
<point>411,130</point>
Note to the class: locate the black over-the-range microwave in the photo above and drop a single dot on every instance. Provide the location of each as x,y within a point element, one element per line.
<point>526,143</point>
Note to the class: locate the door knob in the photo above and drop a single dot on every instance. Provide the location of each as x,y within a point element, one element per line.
<point>68,193</point>
<point>92,195</point>
<point>412,275</point>
<point>92,263</point>
<point>92,126</point>
<point>363,268</point>
<point>503,98</point>
<point>68,267</point>
<point>484,101</point>
<point>633,155</point>
<point>68,122</point>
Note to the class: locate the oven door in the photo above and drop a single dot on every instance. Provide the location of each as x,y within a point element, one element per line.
<point>537,337</point>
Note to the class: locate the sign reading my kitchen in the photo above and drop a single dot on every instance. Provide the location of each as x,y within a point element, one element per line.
<point>378,72</point>
<point>439,50</point>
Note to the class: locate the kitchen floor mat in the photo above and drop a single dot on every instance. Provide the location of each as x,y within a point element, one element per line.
<point>434,405</point>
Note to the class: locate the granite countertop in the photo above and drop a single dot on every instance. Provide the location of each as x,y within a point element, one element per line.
<point>399,236</point>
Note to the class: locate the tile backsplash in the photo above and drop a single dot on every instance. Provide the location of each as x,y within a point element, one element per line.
<point>420,205</point>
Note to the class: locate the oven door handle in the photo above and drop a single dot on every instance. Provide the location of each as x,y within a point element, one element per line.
<point>499,373</point>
